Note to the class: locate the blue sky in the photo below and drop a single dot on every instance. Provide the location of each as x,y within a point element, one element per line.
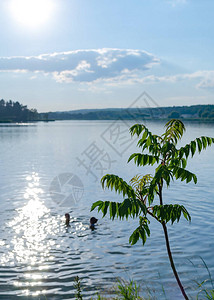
<point>97,54</point>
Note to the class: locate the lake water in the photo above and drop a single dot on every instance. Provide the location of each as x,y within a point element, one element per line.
<point>48,169</point>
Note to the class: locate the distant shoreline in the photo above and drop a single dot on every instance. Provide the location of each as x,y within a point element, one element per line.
<point>24,121</point>
<point>190,120</point>
<point>194,113</point>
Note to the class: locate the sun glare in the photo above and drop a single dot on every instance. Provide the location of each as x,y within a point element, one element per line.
<point>32,13</point>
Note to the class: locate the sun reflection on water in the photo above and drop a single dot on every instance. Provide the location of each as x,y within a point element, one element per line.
<point>36,238</point>
<point>32,226</point>
<point>33,235</point>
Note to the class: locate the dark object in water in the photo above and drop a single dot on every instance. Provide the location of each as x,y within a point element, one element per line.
<point>93,221</point>
<point>67,219</point>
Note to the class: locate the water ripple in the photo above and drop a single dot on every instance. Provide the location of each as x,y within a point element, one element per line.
<point>40,256</point>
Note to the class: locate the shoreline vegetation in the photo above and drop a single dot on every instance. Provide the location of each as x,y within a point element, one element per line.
<point>11,112</point>
<point>195,113</point>
<point>131,290</point>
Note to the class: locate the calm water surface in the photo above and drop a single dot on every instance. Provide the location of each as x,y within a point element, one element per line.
<point>39,257</point>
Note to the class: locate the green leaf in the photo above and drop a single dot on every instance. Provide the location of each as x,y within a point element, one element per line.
<point>143,159</point>
<point>209,141</point>
<point>184,163</point>
<point>185,213</point>
<point>143,139</point>
<point>169,212</point>
<point>199,143</point>
<point>112,209</point>
<point>95,204</point>
<point>118,184</point>
<point>137,129</point>
<point>134,237</point>
<point>141,206</point>
<point>140,183</point>
<point>204,142</point>
<point>162,172</point>
<point>193,147</point>
<point>194,178</point>
<point>187,150</point>
<point>104,208</point>
<point>183,174</point>
<point>140,232</point>
<point>174,131</point>
<point>125,208</point>
<point>145,134</point>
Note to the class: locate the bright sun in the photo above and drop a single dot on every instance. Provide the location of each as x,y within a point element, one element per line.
<point>32,13</point>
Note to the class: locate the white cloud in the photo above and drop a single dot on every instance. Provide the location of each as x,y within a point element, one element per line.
<point>204,79</point>
<point>99,69</point>
<point>85,66</point>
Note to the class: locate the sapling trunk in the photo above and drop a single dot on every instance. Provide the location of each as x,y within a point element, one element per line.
<point>172,262</point>
<point>168,247</point>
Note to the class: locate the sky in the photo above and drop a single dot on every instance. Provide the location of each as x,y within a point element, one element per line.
<point>58,55</point>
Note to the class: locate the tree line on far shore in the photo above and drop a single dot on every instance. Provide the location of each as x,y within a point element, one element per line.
<point>11,111</point>
<point>193,112</point>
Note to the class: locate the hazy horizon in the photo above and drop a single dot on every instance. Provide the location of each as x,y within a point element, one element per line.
<point>109,108</point>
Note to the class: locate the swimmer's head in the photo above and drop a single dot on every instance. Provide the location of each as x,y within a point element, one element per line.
<point>93,220</point>
<point>67,219</point>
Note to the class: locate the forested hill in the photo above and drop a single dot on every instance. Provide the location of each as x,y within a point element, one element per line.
<point>15,112</point>
<point>194,112</point>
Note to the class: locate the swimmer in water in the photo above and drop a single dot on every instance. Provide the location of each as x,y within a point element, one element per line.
<point>67,219</point>
<point>93,221</point>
